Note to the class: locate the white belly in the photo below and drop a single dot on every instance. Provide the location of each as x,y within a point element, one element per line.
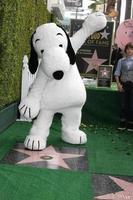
<point>67,92</point>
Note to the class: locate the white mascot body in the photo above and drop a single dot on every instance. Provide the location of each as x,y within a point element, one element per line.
<point>58,87</point>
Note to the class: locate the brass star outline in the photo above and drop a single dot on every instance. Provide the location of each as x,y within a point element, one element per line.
<point>49,154</point>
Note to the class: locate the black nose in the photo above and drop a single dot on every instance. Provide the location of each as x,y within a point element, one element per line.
<point>58,75</point>
<point>42,51</point>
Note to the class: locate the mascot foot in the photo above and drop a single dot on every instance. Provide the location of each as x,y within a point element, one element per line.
<point>77,137</point>
<point>35,142</point>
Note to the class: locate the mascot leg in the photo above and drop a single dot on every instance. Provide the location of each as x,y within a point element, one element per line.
<point>36,140</point>
<point>71,120</point>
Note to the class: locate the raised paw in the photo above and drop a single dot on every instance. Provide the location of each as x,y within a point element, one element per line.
<point>77,137</point>
<point>29,108</point>
<point>35,143</point>
<point>95,22</point>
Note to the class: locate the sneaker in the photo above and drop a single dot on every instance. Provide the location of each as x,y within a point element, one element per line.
<point>130,126</point>
<point>122,126</point>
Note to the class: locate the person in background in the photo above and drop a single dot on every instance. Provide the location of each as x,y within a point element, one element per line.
<point>124,79</point>
<point>117,53</point>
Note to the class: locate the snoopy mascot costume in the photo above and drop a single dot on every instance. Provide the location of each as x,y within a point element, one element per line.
<point>58,87</point>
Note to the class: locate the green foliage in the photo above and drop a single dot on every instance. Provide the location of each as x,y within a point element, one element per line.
<point>94,5</point>
<point>18,20</point>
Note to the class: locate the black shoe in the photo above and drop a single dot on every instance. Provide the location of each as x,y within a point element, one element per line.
<point>130,126</point>
<point>122,126</point>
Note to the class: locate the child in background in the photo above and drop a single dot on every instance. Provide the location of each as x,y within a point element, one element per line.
<point>124,80</point>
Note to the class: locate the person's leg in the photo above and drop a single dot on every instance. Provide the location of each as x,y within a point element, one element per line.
<point>123,110</point>
<point>130,111</point>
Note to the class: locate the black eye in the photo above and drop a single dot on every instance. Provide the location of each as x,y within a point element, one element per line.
<point>59,34</point>
<point>60,45</point>
<point>37,40</point>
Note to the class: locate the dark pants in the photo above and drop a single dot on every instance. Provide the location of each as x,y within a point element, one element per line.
<point>127,102</point>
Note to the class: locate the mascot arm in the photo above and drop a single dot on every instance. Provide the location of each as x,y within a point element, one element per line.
<point>94,22</point>
<point>30,106</point>
<point>37,87</point>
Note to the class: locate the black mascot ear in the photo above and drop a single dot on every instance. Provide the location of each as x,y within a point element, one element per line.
<point>33,60</point>
<point>70,52</point>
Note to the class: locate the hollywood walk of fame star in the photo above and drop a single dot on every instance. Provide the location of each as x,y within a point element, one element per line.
<point>125,194</point>
<point>94,62</point>
<point>49,154</point>
<point>104,73</point>
<point>104,34</point>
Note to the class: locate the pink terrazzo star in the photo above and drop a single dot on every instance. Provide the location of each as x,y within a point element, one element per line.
<point>94,62</point>
<point>49,154</point>
<point>126,193</point>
